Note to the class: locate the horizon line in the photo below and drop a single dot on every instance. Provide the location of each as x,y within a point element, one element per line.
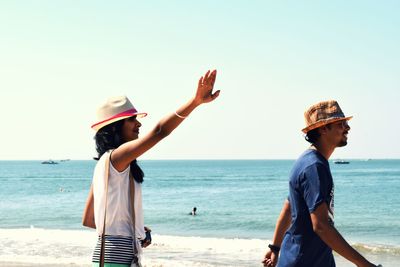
<point>202,159</point>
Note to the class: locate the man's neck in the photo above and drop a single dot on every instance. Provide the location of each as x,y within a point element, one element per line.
<point>325,151</point>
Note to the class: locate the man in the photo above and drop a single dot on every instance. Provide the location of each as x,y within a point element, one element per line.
<point>305,234</point>
<point>193,211</point>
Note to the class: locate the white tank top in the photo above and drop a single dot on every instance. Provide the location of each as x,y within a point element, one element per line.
<point>118,221</point>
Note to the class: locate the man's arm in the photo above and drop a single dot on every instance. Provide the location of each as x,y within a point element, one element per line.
<point>329,234</point>
<point>282,224</point>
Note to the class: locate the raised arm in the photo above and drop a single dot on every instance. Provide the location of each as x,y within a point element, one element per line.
<point>329,234</point>
<point>129,151</point>
<point>282,224</point>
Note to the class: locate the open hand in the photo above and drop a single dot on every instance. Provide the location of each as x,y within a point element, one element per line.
<point>204,93</point>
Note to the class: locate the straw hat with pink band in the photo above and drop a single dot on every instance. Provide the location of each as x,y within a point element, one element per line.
<point>323,113</point>
<point>115,109</point>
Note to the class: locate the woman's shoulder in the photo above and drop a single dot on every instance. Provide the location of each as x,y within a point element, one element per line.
<point>101,161</point>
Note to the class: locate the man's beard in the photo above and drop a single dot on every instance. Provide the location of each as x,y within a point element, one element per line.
<point>342,143</point>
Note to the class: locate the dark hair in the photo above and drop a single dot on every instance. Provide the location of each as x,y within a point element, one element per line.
<point>312,136</point>
<point>109,137</point>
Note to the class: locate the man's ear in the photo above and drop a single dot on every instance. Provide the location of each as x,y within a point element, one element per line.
<point>322,130</point>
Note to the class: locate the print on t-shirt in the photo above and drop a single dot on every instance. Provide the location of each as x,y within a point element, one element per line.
<point>331,207</point>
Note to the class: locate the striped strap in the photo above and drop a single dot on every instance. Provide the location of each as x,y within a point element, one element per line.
<point>103,233</point>
<point>132,193</point>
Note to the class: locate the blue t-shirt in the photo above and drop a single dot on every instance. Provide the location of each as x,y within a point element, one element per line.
<point>310,185</point>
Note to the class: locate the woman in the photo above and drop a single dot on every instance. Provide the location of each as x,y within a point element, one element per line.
<point>117,139</point>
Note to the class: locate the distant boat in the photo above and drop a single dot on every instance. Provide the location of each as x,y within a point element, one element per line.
<point>49,162</point>
<point>63,160</point>
<point>341,161</point>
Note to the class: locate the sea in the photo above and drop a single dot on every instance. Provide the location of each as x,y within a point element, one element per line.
<point>237,201</point>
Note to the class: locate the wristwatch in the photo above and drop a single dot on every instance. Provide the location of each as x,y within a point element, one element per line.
<point>274,248</point>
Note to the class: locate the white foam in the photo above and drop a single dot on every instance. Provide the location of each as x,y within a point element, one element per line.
<point>74,248</point>
<point>44,246</point>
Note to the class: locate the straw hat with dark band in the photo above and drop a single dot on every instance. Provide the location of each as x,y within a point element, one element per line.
<point>323,113</point>
<point>115,109</point>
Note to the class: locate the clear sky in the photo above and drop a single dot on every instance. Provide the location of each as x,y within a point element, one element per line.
<point>60,59</point>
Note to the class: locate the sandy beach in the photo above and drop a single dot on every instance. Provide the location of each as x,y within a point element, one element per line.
<point>62,248</point>
<point>388,261</point>
<point>15,264</point>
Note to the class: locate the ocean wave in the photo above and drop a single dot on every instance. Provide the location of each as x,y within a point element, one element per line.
<point>377,249</point>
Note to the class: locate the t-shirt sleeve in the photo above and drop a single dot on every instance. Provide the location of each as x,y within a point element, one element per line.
<point>315,186</point>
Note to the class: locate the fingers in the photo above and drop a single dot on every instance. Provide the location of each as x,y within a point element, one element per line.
<point>205,88</point>
<point>146,244</point>
<point>213,76</point>
<point>204,79</point>
<point>267,263</point>
<point>208,78</point>
<point>200,81</point>
<point>215,95</point>
<point>213,73</point>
